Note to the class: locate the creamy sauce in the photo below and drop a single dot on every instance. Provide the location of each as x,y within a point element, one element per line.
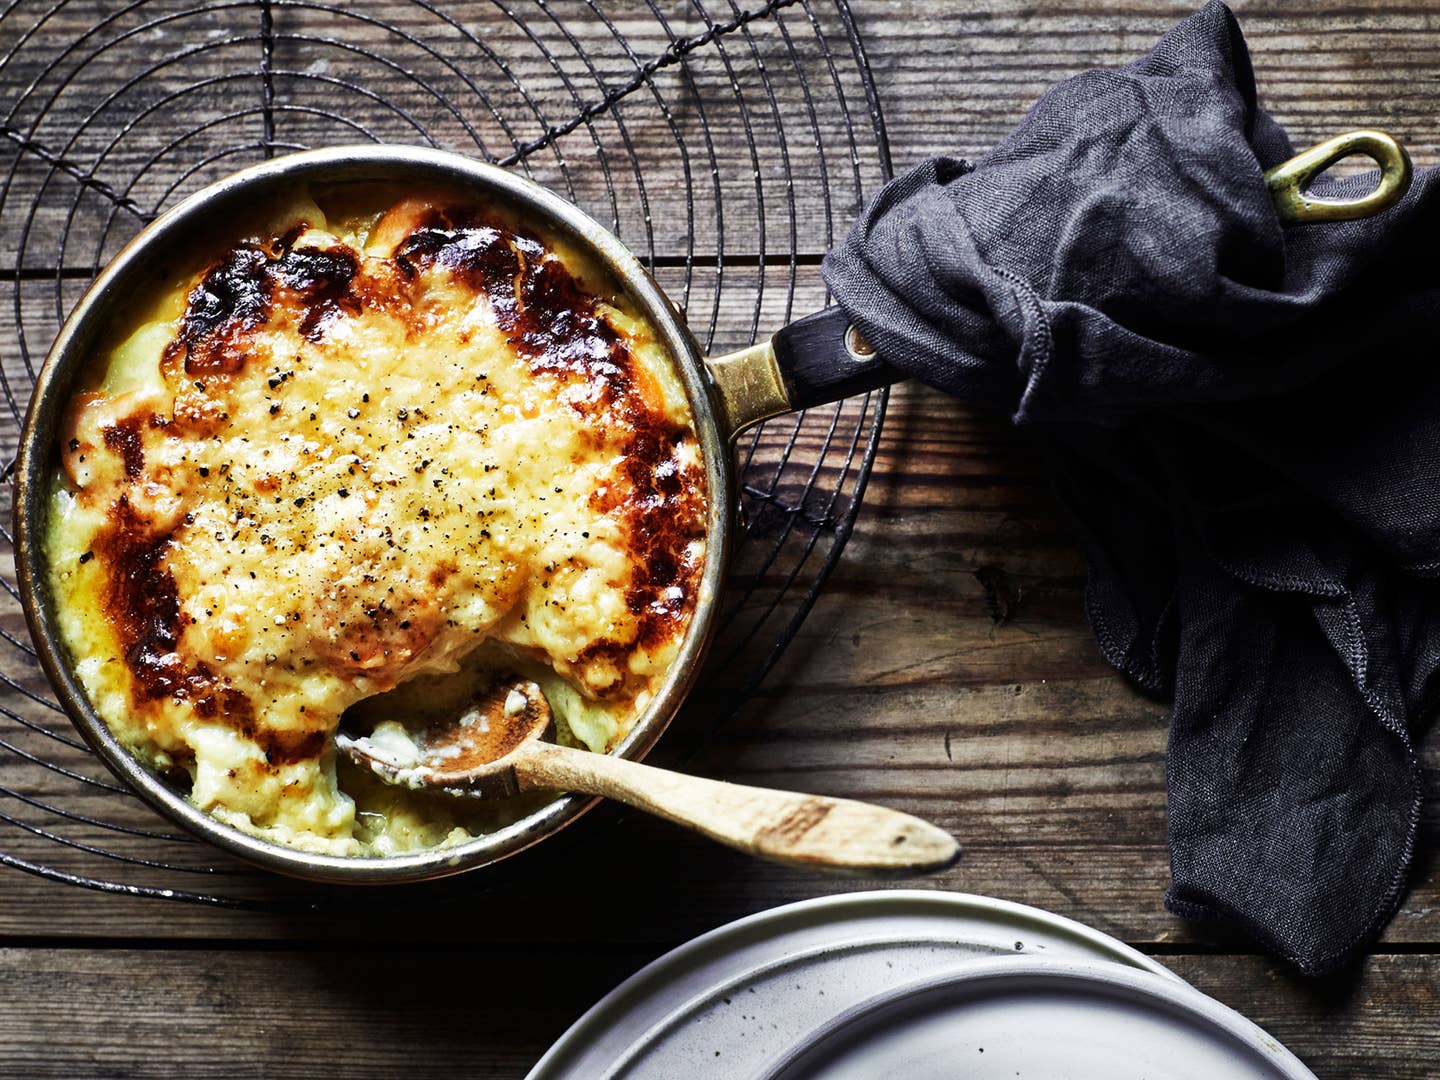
<point>362,451</point>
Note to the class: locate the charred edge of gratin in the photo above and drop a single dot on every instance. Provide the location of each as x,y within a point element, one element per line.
<point>143,606</point>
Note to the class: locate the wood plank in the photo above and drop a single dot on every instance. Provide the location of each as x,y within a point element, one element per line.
<point>956,78</point>
<point>952,79</point>
<point>1377,1020</point>
<point>217,1013</point>
<point>143,1013</point>
<point>704,158</point>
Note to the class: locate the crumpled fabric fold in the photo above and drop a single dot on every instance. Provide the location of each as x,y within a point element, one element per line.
<point>1243,419</point>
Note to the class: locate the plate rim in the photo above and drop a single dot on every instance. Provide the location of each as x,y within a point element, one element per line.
<point>1172,995</point>
<point>688,955</point>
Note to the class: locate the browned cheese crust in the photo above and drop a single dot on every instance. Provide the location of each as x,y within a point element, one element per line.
<point>519,467</point>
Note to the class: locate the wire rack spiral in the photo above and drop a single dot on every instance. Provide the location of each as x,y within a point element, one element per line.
<point>727,145</point>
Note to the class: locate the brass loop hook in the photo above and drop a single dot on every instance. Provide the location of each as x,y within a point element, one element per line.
<point>1288,180</point>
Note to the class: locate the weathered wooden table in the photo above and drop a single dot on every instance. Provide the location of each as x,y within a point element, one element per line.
<point>946,670</point>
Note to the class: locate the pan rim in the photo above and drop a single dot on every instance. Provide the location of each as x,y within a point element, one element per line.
<point>65,359</point>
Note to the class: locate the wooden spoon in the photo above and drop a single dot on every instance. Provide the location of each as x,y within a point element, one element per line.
<point>495,749</point>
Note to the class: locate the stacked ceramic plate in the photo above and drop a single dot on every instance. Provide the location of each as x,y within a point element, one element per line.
<point>912,986</point>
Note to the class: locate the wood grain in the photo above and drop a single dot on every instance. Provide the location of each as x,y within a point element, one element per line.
<point>946,670</point>
<point>952,79</point>
<point>1375,1020</point>
<point>207,1012</point>
<point>694,163</point>
<point>955,78</point>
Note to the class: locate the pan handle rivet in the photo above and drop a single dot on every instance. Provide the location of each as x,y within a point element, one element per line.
<point>856,345</point>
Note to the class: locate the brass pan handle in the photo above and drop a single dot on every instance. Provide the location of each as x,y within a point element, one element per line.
<point>822,357</point>
<point>814,360</point>
<point>1287,181</point>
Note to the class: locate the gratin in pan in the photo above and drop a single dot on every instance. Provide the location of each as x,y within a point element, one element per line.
<point>724,394</point>
<point>815,360</point>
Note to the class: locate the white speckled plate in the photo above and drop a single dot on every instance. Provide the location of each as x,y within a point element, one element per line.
<point>1022,1017</point>
<point>734,1001</point>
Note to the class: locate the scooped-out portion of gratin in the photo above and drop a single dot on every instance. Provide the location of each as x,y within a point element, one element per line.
<point>382,449</point>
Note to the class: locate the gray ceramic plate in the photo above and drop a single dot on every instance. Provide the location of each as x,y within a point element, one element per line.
<point>734,1001</point>
<point>1021,1017</point>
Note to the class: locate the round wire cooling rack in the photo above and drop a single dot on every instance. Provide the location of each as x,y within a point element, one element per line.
<point>727,145</point>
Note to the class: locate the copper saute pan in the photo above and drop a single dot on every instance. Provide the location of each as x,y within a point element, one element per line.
<point>815,360</point>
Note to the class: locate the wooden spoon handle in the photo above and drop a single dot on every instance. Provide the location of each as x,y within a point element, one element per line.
<point>804,830</point>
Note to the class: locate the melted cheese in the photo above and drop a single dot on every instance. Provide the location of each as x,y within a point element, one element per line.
<point>411,450</point>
